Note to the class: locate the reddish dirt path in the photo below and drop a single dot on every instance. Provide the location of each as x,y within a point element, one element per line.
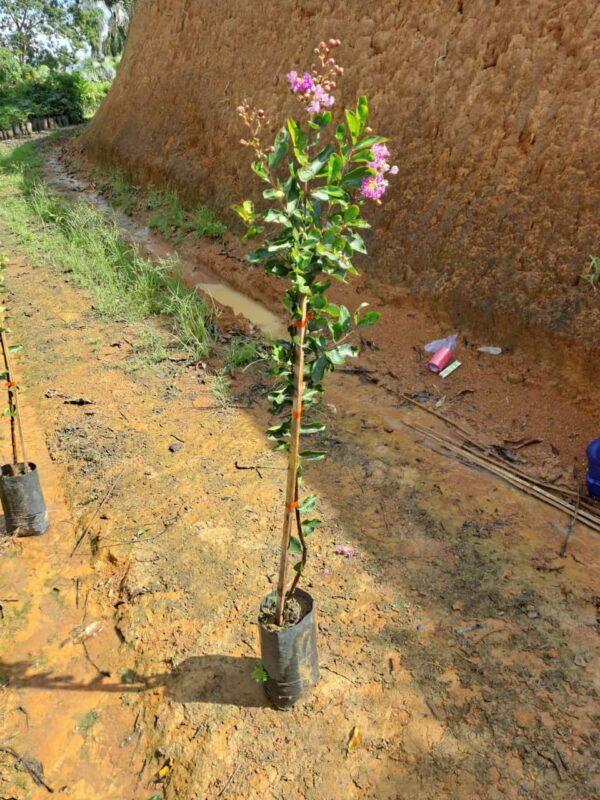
<point>56,706</point>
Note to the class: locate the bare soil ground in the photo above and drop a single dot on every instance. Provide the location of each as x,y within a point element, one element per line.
<point>457,640</point>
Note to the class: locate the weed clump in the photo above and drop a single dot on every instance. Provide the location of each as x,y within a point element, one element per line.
<point>81,241</point>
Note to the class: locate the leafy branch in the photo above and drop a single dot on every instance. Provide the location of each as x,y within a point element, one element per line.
<point>317,178</point>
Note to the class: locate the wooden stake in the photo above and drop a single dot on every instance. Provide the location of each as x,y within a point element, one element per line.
<point>292,473</point>
<point>589,520</point>
<point>13,403</point>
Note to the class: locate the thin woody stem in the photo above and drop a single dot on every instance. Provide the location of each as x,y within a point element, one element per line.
<point>302,564</point>
<point>291,501</point>
<point>13,404</point>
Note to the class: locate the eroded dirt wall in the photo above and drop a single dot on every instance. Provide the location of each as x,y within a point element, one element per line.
<point>493,111</point>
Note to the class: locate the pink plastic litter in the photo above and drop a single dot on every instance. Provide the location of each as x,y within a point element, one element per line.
<point>440,360</point>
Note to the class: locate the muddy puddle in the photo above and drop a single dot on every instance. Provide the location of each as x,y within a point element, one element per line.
<point>193,274</point>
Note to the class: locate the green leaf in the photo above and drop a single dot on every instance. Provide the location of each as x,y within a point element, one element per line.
<point>353,123</point>
<point>273,194</point>
<point>354,178</point>
<point>277,217</point>
<point>257,256</point>
<point>357,312</point>
<point>334,168</point>
<point>15,348</point>
<point>253,230</point>
<point>259,169</point>
<point>312,455</point>
<point>318,369</point>
<point>258,674</point>
<point>344,318</point>
<point>312,427</point>
<point>245,211</point>
<point>340,133</point>
<point>308,504</point>
<point>310,525</point>
<point>280,148</point>
<point>331,309</point>
<point>295,546</point>
<point>339,354</point>
<point>279,431</point>
<point>298,138</point>
<point>332,192</point>
<point>370,318</point>
<point>351,213</point>
<point>362,109</point>
<point>369,141</point>
<point>275,246</point>
<point>316,165</point>
<point>357,243</point>
<point>322,120</point>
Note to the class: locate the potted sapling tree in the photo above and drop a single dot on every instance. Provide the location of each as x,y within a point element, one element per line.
<point>317,175</point>
<point>21,495</point>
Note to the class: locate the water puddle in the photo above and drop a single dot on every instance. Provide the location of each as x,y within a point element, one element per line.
<point>193,275</point>
<point>265,320</point>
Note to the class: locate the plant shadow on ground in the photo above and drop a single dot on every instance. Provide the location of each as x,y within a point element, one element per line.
<point>212,679</point>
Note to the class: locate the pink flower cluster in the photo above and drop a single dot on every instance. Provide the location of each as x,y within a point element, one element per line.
<point>314,93</point>
<point>315,87</point>
<point>374,186</point>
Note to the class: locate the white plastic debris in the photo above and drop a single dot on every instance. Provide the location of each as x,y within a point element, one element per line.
<point>437,344</point>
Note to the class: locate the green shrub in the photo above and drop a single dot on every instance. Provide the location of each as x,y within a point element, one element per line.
<point>49,94</point>
<point>10,68</point>
<point>93,94</point>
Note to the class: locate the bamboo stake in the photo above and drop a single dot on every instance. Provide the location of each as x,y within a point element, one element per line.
<point>436,414</point>
<point>292,474</point>
<point>589,520</point>
<point>14,408</point>
<point>483,448</point>
<point>498,468</point>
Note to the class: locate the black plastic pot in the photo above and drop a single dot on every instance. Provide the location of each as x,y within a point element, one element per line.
<point>22,500</point>
<point>289,656</point>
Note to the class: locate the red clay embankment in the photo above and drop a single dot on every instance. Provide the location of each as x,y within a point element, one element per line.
<point>491,106</point>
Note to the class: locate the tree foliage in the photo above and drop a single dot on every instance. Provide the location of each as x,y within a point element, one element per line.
<point>54,32</point>
<point>317,176</point>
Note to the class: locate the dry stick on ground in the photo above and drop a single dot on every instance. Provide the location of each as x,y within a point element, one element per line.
<point>590,520</point>
<point>572,521</point>
<point>504,471</point>
<point>470,442</point>
<point>292,475</point>
<point>231,777</point>
<point>96,512</point>
<point>13,404</point>
<point>30,766</point>
<point>435,414</point>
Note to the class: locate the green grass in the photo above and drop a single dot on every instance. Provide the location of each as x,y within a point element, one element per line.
<point>81,241</point>
<point>241,352</point>
<point>203,223</point>
<point>219,386</point>
<point>592,276</point>
<point>123,194</point>
<point>169,216</point>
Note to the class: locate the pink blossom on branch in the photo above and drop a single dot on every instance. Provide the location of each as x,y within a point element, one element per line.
<point>314,88</point>
<point>300,84</point>
<point>374,186</point>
